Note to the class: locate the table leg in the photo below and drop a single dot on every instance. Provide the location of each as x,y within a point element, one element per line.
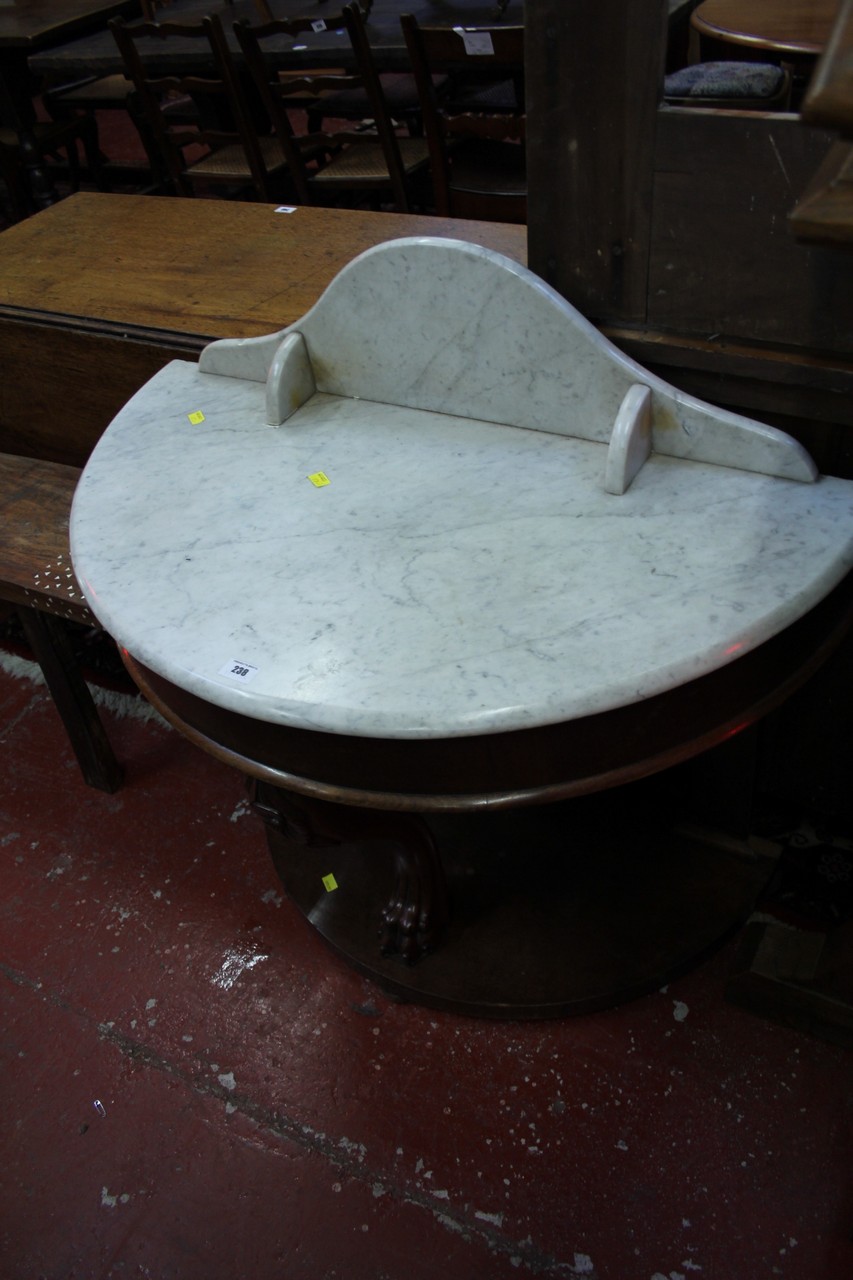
<point>48,639</point>
<point>553,910</point>
<point>16,107</point>
<point>414,917</point>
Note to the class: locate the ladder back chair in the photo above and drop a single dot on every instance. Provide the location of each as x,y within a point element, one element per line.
<point>220,124</point>
<point>366,159</point>
<point>95,93</point>
<point>98,93</point>
<point>476,127</point>
<point>398,87</point>
<point>266,13</point>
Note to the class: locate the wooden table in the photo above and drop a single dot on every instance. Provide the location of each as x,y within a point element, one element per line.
<point>98,51</point>
<point>779,27</point>
<point>27,26</point>
<point>34,24</point>
<point>127,283</point>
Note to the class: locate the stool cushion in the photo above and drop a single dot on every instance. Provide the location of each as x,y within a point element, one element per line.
<point>725,80</point>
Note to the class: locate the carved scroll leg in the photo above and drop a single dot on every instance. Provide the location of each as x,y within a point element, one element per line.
<point>415,916</point>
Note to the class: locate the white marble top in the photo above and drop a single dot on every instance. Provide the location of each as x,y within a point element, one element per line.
<point>455,575</point>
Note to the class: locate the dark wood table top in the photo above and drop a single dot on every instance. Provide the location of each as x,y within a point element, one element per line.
<point>98,52</point>
<point>780,26</point>
<point>128,283</point>
<point>32,24</point>
<point>207,268</point>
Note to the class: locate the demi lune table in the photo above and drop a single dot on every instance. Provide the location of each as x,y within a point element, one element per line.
<point>438,568</point>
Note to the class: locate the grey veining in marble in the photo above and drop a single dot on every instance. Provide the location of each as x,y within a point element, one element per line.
<point>452,573</point>
<point>456,328</point>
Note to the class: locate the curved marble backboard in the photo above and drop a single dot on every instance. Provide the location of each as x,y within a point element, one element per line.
<point>456,328</point>
<point>405,557</point>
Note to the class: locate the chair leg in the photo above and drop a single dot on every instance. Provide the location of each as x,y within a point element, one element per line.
<point>73,156</point>
<point>92,150</point>
<point>49,641</point>
<point>12,177</point>
<point>161,182</point>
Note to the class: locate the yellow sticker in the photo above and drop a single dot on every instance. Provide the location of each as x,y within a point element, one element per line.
<point>329,883</point>
<point>318,479</point>
<point>196,417</point>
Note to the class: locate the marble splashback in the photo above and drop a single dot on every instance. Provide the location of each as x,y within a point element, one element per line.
<point>456,328</point>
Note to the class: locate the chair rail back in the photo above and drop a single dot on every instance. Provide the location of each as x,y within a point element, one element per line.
<point>279,93</point>
<point>224,118</point>
<point>475,57</point>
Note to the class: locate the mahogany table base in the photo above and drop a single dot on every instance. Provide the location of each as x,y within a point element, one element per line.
<point>557,910</point>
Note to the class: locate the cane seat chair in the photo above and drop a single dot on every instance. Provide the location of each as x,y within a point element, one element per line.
<point>97,93</point>
<point>398,87</point>
<point>365,160</point>
<point>476,129</point>
<point>220,146</point>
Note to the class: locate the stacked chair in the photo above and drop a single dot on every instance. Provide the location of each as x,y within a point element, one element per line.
<point>348,161</point>
<point>474,125</point>
<point>398,87</point>
<point>217,126</point>
<point>449,136</point>
<point>198,126</point>
<point>96,93</point>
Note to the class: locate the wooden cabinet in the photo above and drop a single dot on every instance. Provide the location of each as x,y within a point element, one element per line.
<point>669,226</point>
<point>824,215</point>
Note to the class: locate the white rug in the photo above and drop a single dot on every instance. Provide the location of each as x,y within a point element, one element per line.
<point>120,705</point>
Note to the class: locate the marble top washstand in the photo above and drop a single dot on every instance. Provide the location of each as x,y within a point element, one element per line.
<point>439,545</point>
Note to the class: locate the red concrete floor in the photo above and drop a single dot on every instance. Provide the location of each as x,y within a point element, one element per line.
<point>197,1089</point>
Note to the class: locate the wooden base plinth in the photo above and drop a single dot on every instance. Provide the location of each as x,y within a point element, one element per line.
<point>552,911</point>
<point>526,874</point>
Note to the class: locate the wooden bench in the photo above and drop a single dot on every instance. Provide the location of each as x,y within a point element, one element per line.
<point>36,576</point>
